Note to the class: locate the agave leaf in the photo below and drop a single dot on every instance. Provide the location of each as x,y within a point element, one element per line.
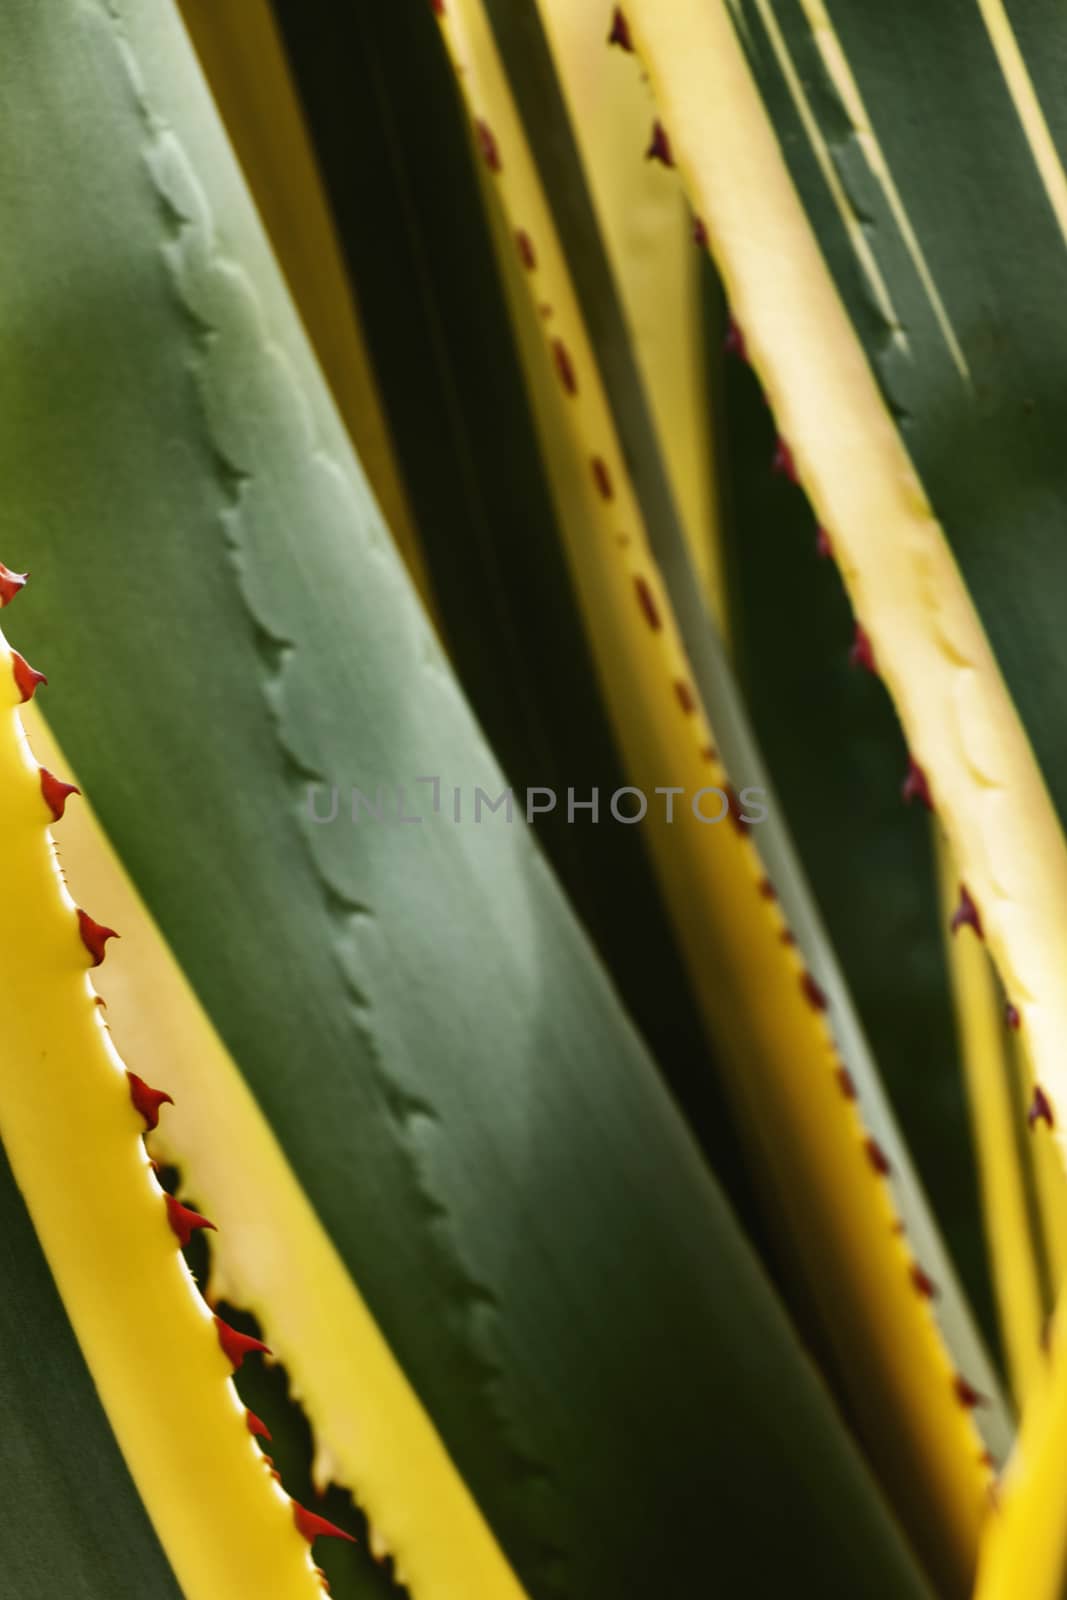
<point>271,1255</point>
<point>905,354</point>
<point>71,1130</point>
<point>523,48</point>
<point>419,1017</point>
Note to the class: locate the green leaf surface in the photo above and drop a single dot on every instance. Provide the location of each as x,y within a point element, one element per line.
<point>447,1068</point>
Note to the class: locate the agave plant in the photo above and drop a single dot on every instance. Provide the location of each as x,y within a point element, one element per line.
<point>542,530</point>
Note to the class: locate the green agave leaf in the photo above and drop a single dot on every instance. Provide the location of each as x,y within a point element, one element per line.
<point>415,1008</point>
<point>425,272</point>
<point>72,1522</point>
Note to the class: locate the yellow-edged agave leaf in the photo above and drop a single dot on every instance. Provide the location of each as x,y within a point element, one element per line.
<point>242,57</point>
<point>412,1003</point>
<point>904,340</point>
<point>825,1172</point>
<point>71,1120</point>
<point>923,1023</point>
<point>272,1255</point>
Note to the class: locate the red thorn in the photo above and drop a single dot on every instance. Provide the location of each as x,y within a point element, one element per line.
<point>147,1100</point>
<point>56,793</point>
<point>527,254</point>
<point>94,936</point>
<point>966,1394</point>
<point>783,463</point>
<point>564,366</point>
<point>767,889</point>
<point>1040,1109</point>
<point>845,1083</point>
<point>438,7</point>
<point>966,914</point>
<point>813,994</point>
<point>235,1346</point>
<point>487,144</point>
<point>877,1157</point>
<point>734,343</point>
<point>862,651</point>
<point>26,677</point>
<point>700,233</point>
<point>823,547</point>
<point>184,1223</point>
<point>923,1283</point>
<point>915,786</point>
<point>1012,1017</point>
<point>788,937</point>
<point>659,148</point>
<point>620,31</point>
<point>602,478</point>
<point>647,604</point>
<point>709,753</point>
<point>312,1526</point>
<point>734,806</point>
<point>685,696</point>
<point>256,1426</point>
<point>10,584</point>
<point>986,1459</point>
